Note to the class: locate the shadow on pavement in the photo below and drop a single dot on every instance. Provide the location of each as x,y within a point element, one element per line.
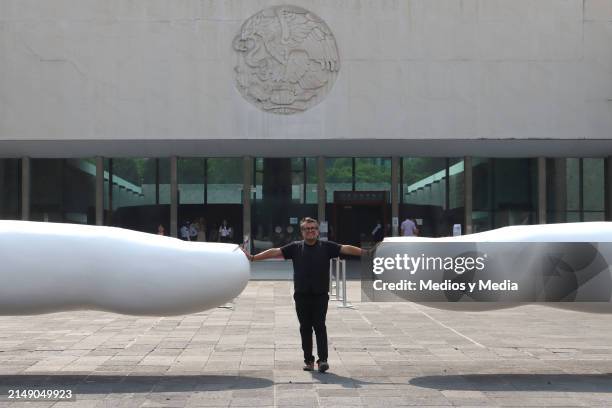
<point>518,382</point>
<point>97,384</point>
<point>346,382</point>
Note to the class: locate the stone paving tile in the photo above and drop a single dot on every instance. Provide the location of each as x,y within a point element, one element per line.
<point>381,355</point>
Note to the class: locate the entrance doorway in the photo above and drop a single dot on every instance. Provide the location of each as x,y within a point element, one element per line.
<point>356,214</point>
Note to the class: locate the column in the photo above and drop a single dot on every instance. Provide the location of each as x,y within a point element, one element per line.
<point>608,188</point>
<point>560,190</point>
<point>395,184</point>
<point>542,190</point>
<point>174,196</point>
<point>99,190</point>
<point>247,181</point>
<point>321,196</point>
<point>467,197</point>
<point>25,188</point>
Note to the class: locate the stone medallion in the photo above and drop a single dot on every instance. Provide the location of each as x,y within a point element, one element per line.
<point>287,59</point>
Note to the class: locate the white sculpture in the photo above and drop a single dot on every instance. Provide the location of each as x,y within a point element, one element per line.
<point>560,265</point>
<point>49,267</point>
<point>567,232</point>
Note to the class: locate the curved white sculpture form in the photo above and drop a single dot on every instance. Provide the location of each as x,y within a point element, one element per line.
<point>560,265</point>
<point>52,267</point>
<point>567,232</point>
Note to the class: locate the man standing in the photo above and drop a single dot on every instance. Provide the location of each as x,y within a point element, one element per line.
<point>311,284</point>
<point>409,228</point>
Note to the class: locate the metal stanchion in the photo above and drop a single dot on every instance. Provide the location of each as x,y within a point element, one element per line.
<point>331,277</point>
<point>335,281</point>
<point>344,304</point>
<point>338,279</point>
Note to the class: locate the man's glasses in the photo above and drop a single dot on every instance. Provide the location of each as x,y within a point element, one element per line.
<point>310,228</point>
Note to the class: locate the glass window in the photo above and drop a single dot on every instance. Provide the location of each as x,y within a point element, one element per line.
<point>456,189</point>
<point>10,189</point>
<point>133,182</point>
<point>137,193</point>
<point>312,180</point>
<point>575,189</point>
<point>63,190</point>
<point>224,180</point>
<point>212,181</point>
<point>572,177</point>
<point>373,174</point>
<point>191,180</point>
<point>431,194</point>
<point>358,189</point>
<point>210,192</point>
<point>424,181</point>
<point>504,192</point>
<point>298,180</point>
<point>304,180</point>
<point>192,223</point>
<point>593,185</point>
<point>338,176</point>
<point>163,181</point>
<point>357,174</point>
<point>557,190</point>
<point>224,183</point>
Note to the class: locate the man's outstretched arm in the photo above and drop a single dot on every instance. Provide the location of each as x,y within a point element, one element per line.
<point>268,253</point>
<point>350,250</point>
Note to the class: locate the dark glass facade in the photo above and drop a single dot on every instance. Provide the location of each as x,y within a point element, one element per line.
<point>356,194</point>
<point>284,191</point>
<point>137,193</point>
<point>63,190</point>
<point>358,197</point>
<point>10,189</point>
<point>209,192</point>
<point>432,194</point>
<point>504,193</point>
<point>575,190</point>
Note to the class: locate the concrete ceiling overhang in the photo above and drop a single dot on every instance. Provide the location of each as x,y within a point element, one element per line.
<point>307,148</point>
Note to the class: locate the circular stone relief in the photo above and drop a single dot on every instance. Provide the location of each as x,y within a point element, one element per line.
<point>287,59</point>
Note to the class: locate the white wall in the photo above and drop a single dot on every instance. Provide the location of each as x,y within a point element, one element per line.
<point>411,69</point>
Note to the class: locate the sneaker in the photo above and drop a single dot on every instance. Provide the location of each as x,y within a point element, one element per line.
<point>309,366</point>
<point>323,366</point>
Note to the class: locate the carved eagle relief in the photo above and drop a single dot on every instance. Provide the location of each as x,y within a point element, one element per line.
<point>287,59</point>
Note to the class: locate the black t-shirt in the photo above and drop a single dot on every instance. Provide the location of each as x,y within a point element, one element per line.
<point>311,264</point>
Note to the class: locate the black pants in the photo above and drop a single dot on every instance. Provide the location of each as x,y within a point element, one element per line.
<point>311,312</point>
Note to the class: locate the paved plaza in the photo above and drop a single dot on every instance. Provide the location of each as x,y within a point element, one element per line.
<point>381,354</point>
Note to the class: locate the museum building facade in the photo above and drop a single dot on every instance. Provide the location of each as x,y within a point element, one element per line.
<point>472,112</point>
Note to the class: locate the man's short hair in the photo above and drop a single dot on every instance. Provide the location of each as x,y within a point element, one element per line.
<point>308,220</point>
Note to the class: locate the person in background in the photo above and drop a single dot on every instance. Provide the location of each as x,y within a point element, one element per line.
<point>378,233</point>
<point>311,284</point>
<point>185,231</point>
<point>225,232</point>
<point>161,230</point>
<point>409,228</point>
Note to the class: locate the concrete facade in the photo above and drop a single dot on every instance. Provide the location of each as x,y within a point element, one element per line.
<point>417,70</point>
